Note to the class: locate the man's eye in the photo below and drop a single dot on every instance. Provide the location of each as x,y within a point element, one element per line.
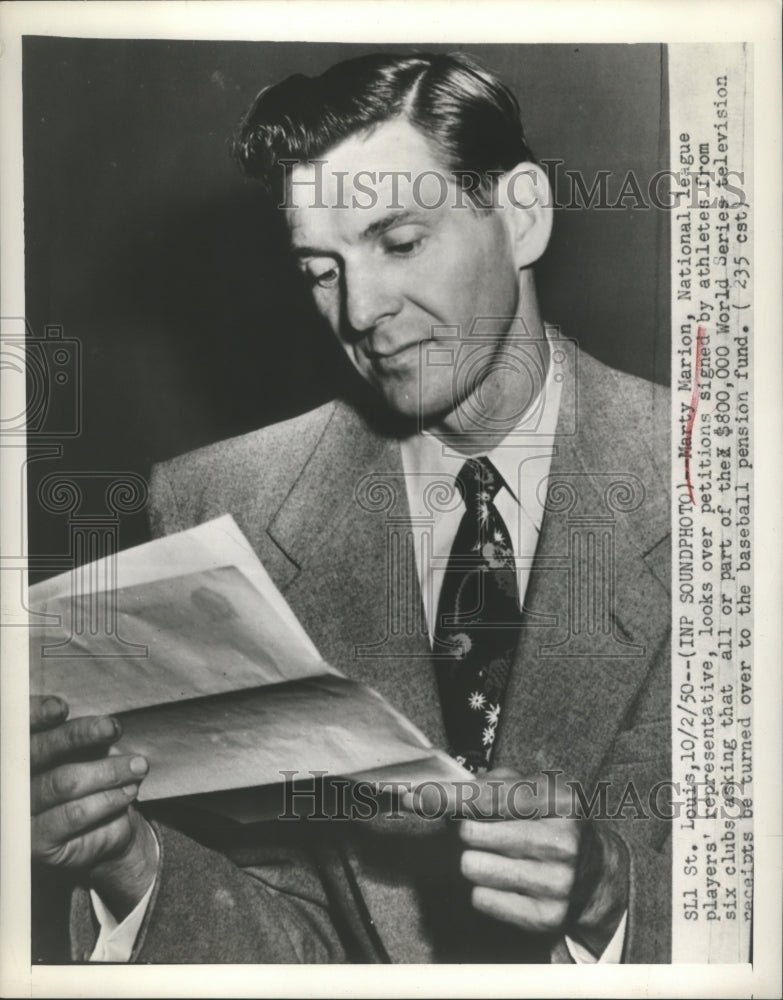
<point>324,279</point>
<point>406,248</point>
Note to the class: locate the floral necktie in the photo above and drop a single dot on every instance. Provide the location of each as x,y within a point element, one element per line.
<point>478,622</point>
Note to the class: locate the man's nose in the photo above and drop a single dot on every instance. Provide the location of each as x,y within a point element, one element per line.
<point>369,297</point>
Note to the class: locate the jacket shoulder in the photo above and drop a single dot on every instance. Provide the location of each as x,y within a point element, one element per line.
<point>623,425</point>
<point>631,414</point>
<point>252,470</point>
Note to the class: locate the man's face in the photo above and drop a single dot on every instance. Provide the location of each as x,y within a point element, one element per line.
<point>386,271</point>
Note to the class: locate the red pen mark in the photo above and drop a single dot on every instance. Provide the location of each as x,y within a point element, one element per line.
<point>700,333</point>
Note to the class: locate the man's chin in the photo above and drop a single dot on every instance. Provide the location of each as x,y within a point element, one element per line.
<point>409,408</point>
<point>400,400</point>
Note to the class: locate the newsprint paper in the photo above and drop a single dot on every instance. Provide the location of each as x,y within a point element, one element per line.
<point>391,439</point>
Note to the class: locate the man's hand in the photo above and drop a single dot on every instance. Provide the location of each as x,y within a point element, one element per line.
<point>81,804</point>
<point>552,872</point>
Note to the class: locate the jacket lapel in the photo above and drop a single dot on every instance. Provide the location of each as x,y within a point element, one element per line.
<point>353,582</point>
<point>596,612</point>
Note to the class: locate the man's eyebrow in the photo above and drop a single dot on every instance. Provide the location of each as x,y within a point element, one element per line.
<point>392,219</point>
<point>298,250</point>
<point>374,229</point>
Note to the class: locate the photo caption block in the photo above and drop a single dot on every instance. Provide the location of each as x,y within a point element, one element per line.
<point>712,477</point>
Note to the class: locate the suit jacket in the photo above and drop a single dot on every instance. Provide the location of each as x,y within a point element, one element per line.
<point>322,500</point>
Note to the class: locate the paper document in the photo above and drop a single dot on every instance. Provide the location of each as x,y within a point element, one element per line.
<point>188,641</point>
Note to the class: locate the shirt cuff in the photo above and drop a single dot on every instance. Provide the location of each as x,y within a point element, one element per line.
<point>611,954</point>
<point>115,941</point>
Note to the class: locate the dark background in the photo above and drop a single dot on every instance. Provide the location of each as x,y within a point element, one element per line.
<point>145,244</point>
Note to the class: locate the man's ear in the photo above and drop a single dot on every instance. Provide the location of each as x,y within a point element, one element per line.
<point>525,199</point>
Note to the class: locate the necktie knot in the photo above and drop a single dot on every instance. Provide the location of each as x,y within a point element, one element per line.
<point>479,482</point>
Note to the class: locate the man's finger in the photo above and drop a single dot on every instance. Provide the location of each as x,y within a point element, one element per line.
<point>530,914</point>
<point>75,781</point>
<point>539,840</point>
<point>68,740</point>
<point>46,711</point>
<point>541,879</point>
<point>503,772</point>
<point>55,827</point>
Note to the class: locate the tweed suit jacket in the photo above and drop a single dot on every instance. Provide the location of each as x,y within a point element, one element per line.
<point>588,695</point>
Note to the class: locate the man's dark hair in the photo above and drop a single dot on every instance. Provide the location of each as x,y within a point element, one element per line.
<point>471,118</point>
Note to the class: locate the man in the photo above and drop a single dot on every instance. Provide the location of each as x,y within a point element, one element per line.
<point>531,637</point>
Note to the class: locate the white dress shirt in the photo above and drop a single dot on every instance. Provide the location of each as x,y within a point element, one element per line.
<point>116,940</point>
<point>523,459</point>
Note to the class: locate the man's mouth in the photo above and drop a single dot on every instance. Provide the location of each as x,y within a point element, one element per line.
<point>389,360</point>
